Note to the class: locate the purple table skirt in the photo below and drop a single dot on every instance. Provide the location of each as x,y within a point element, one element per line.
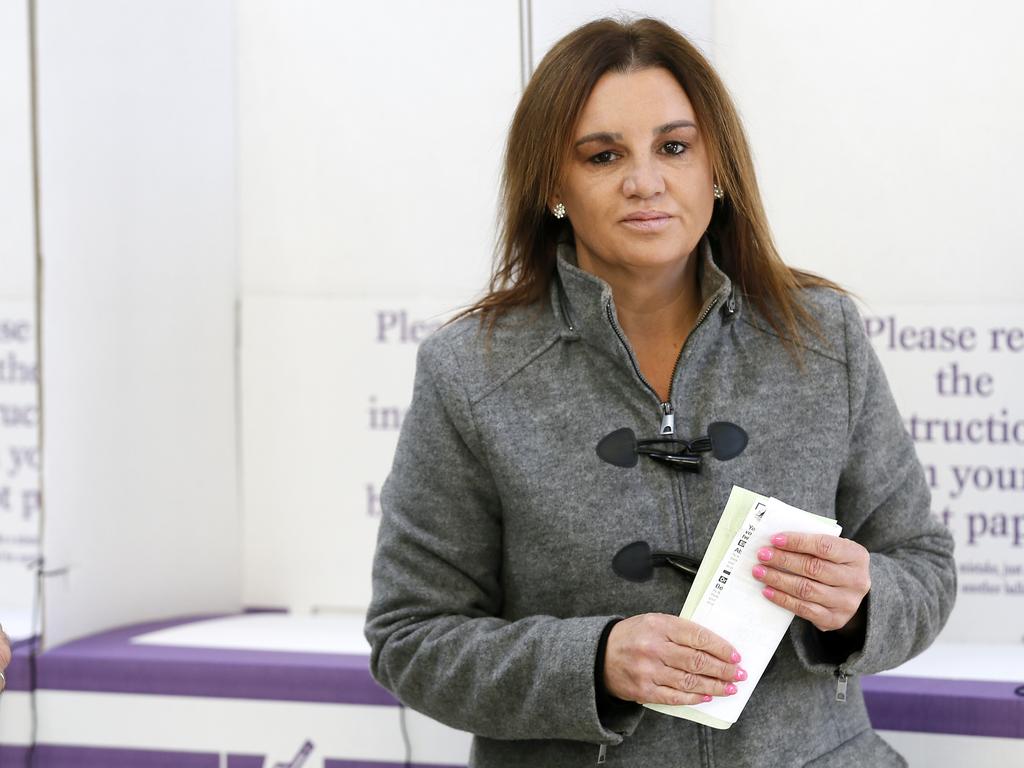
<point>109,662</point>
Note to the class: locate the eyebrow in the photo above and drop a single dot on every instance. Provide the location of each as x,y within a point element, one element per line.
<point>609,137</point>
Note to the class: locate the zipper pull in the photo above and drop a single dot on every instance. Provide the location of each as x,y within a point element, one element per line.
<point>841,685</point>
<point>730,304</point>
<point>602,753</point>
<point>668,420</point>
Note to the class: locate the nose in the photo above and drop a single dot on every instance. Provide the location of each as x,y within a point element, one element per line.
<point>643,179</point>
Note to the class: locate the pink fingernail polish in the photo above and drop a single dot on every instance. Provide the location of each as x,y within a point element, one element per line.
<point>741,674</point>
<point>779,540</point>
<point>735,658</point>
<point>768,592</point>
<point>730,689</point>
<point>759,571</point>
<point>706,698</point>
<point>764,554</point>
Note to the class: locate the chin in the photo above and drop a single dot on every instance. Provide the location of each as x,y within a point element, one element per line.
<point>663,253</point>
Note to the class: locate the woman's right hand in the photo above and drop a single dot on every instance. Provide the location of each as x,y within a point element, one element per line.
<point>656,658</point>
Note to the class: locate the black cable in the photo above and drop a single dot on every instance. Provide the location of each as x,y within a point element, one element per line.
<point>33,667</point>
<point>405,735</point>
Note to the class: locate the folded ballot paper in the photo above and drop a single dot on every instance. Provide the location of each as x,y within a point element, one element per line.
<point>727,599</point>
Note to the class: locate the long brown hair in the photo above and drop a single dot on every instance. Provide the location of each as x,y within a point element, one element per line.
<point>538,144</point>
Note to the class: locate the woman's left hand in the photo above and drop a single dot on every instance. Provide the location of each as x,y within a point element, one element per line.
<point>821,578</point>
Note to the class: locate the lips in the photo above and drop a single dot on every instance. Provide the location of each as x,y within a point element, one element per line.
<point>649,222</point>
<point>646,216</point>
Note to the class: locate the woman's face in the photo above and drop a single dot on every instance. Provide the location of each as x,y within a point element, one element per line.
<point>637,186</point>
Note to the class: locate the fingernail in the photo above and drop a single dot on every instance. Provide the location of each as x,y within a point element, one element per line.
<point>706,698</point>
<point>768,592</point>
<point>779,540</point>
<point>735,658</point>
<point>759,571</point>
<point>764,554</point>
<point>730,689</point>
<point>741,674</point>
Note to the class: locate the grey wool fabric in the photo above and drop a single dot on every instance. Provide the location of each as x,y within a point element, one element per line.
<point>492,581</point>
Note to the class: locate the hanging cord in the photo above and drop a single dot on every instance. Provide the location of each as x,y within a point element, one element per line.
<point>405,735</point>
<point>33,669</point>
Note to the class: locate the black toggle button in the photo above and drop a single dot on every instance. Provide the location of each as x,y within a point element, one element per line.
<point>637,561</point>
<point>724,441</point>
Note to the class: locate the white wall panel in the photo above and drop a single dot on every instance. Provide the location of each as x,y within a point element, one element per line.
<point>19,394</point>
<point>17,254</point>
<point>137,150</point>
<point>327,383</point>
<point>371,137</point>
<point>887,143</point>
<point>19,466</point>
<point>961,401</point>
<point>887,137</point>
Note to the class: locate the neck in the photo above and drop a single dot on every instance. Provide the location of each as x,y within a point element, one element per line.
<point>653,304</point>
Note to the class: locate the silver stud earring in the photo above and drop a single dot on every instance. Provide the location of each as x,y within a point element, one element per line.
<point>559,211</point>
<point>719,194</point>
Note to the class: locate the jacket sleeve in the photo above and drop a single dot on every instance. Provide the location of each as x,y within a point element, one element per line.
<point>437,640</point>
<point>883,502</point>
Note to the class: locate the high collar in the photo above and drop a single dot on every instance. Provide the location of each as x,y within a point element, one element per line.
<point>583,302</point>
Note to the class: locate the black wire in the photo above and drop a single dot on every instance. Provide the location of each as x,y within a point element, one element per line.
<point>405,735</point>
<point>33,668</point>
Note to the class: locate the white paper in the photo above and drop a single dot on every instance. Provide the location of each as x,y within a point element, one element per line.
<point>733,607</point>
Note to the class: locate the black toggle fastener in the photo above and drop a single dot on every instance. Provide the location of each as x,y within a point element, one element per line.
<point>724,441</point>
<point>637,562</point>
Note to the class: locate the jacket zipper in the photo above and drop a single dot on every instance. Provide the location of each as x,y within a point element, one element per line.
<point>842,678</point>
<point>602,753</point>
<point>668,418</point>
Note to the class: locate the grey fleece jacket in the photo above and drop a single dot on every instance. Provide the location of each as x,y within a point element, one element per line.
<point>492,581</point>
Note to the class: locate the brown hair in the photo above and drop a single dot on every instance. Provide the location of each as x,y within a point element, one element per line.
<point>539,141</point>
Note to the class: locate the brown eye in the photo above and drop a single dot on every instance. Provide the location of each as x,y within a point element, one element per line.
<point>603,158</point>
<point>674,147</point>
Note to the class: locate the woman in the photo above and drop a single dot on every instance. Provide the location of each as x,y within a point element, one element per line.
<point>638,287</point>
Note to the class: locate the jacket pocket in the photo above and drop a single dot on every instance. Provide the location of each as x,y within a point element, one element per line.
<point>866,748</point>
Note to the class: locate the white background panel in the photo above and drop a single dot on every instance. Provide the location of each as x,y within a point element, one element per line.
<point>137,149</point>
<point>19,482</point>
<point>17,254</point>
<point>370,143</point>
<point>977,487</point>
<point>887,139</point>
<point>19,466</point>
<point>326,381</point>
